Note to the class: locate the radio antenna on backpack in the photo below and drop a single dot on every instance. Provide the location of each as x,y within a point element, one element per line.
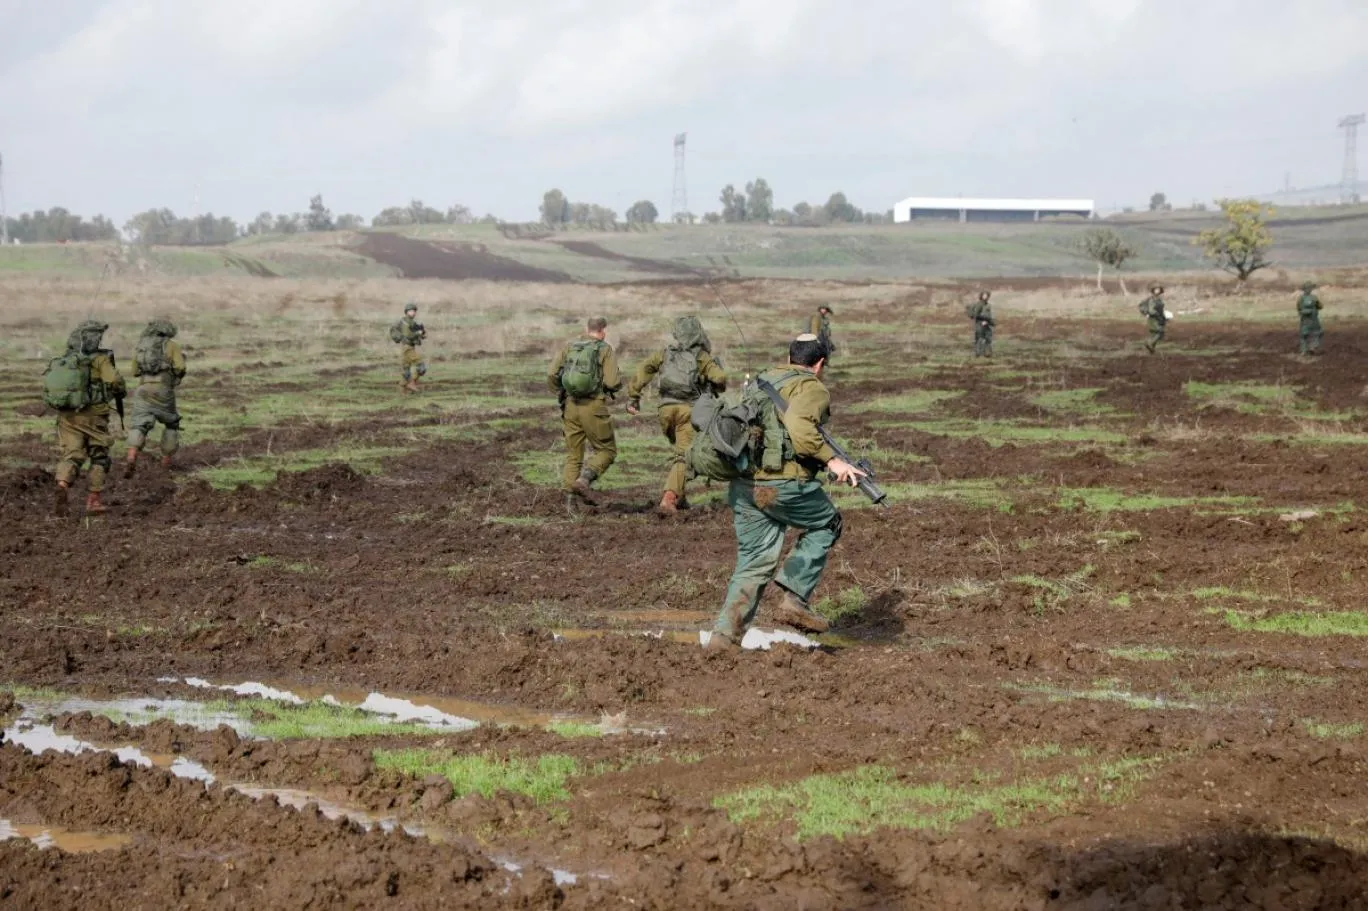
<point>708,276</point>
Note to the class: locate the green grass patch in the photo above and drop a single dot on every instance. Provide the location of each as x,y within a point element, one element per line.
<point>259,471</point>
<point>848,603</point>
<point>1301,623</point>
<point>984,493</point>
<point>517,521</point>
<point>1329,730</point>
<point>1144,653</point>
<point>575,729</point>
<point>543,778</point>
<point>1073,401</point>
<point>319,720</point>
<point>1107,499</point>
<point>863,799</point>
<point>269,562</point>
<point>917,401</point>
<point>997,433</point>
<point>1052,593</point>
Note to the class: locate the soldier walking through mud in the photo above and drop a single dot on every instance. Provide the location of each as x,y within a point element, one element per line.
<point>686,369</point>
<point>584,375</point>
<point>820,326</point>
<point>159,365</point>
<point>1152,308</point>
<point>1308,310</point>
<point>82,384</point>
<point>409,333</point>
<point>776,499</point>
<point>981,312</point>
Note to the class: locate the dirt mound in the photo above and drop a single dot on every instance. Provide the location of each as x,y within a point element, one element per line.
<point>658,266</point>
<point>452,261</point>
<point>334,479</point>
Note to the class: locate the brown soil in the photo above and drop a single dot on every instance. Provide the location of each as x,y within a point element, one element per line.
<point>944,687</point>
<point>453,261</point>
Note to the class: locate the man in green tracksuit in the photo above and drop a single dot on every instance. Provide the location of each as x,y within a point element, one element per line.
<point>686,369</point>
<point>1308,309</point>
<point>584,375</point>
<point>981,312</point>
<point>765,506</point>
<point>1152,308</point>
<point>159,365</point>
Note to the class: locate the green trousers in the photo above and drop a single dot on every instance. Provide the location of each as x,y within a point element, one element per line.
<point>1156,330</point>
<point>761,512</point>
<point>412,363</point>
<point>1310,336</point>
<point>588,425</point>
<point>154,403</point>
<point>83,435</point>
<point>983,340</point>
<point>675,423</point>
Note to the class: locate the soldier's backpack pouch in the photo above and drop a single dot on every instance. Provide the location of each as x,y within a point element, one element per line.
<point>66,382</point>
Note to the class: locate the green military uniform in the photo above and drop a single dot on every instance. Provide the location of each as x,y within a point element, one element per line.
<point>586,419</point>
<point>1152,308</point>
<point>159,365</point>
<point>820,326</point>
<point>1308,309</point>
<point>679,389</point>
<point>765,507</point>
<point>84,435</point>
<point>981,312</point>
<point>410,336</point>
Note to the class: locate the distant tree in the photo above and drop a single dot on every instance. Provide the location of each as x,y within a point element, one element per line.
<point>319,217</point>
<point>759,200</point>
<point>1106,248</point>
<point>350,222</point>
<point>1240,246</point>
<point>783,217</point>
<point>1159,203</point>
<point>803,210</point>
<point>288,224</point>
<point>459,215</point>
<point>642,212</point>
<point>262,224</point>
<point>489,218</point>
<point>733,204</point>
<point>162,227</point>
<point>712,218</point>
<point>58,225</point>
<point>684,218</point>
<point>424,215</point>
<point>555,208</point>
<point>393,217</point>
<point>838,208</point>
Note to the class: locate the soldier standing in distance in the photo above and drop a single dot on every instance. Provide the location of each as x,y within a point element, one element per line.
<point>410,333</point>
<point>159,365</point>
<point>91,382</point>
<point>820,326</point>
<point>1308,309</point>
<point>686,370</point>
<point>1152,308</point>
<point>981,312</point>
<point>584,375</point>
<point>768,504</point>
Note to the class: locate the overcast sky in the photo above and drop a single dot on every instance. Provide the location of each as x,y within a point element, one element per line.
<point>116,106</point>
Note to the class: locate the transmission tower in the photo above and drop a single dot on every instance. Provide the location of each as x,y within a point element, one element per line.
<point>1349,179</point>
<point>679,201</point>
<point>4,219</point>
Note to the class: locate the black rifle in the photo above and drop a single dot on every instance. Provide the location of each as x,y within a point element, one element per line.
<point>867,484</point>
<point>118,399</point>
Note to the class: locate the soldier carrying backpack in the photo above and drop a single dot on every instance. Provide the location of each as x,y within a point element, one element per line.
<point>80,385</point>
<point>583,376</point>
<point>683,370</point>
<point>410,333</point>
<point>159,365</point>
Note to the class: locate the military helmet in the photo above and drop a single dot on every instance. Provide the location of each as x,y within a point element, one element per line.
<point>825,309</point>
<point>1308,286</point>
<point>162,327</point>
<point>1156,289</point>
<point>85,338</point>
<point>984,295</point>
<point>411,308</point>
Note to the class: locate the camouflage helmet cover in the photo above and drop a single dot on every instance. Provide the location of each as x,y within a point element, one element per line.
<point>984,295</point>
<point>163,327</point>
<point>688,333</point>
<point>1308,286</point>
<point>411,307</point>
<point>86,337</point>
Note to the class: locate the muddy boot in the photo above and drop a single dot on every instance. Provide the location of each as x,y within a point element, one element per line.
<point>794,613</point>
<point>94,505</point>
<point>59,501</point>
<point>669,504</point>
<point>131,464</point>
<point>166,462</point>
<point>412,385</point>
<point>583,487</point>
<point>721,643</point>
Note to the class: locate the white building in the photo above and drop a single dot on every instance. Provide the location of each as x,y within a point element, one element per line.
<point>960,208</point>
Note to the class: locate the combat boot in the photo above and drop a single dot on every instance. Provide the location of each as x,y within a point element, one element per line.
<point>94,505</point>
<point>412,385</point>
<point>793,612</point>
<point>59,500</point>
<point>669,504</point>
<point>720,643</point>
<point>582,487</point>
<point>131,465</point>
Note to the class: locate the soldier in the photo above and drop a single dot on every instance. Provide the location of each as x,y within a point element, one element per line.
<point>766,506</point>
<point>981,312</point>
<point>159,364</point>
<point>410,333</point>
<point>1152,308</point>
<point>820,326</point>
<point>584,375</point>
<point>687,370</point>
<point>1308,308</point>
<point>81,384</point>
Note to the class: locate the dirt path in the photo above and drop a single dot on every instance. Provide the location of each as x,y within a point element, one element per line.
<point>451,261</point>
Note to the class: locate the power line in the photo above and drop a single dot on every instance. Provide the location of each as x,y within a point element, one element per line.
<point>1349,177</point>
<point>679,199</point>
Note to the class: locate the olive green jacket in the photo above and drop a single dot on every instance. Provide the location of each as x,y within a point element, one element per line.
<point>809,407</point>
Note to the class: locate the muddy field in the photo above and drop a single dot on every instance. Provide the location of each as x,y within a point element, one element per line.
<point>1102,650</point>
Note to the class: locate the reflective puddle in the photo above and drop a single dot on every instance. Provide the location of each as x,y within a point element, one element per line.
<point>755,638</point>
<point>69,840</point>
<point>40,738</point>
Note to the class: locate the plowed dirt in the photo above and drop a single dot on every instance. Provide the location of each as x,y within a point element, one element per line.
<point>1071,660</point>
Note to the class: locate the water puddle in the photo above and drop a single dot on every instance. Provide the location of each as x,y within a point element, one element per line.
<point>755,638</point>
<point>203,716</point>
<point>69,840</point>
<point>40,738</point>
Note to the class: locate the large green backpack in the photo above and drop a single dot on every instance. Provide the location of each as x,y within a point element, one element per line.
<point>150,355</point>
<point>679,377</point>
<point>734,441</point>
<point>581,375</point>
<point>397,332</point>
<point>66,382</point>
